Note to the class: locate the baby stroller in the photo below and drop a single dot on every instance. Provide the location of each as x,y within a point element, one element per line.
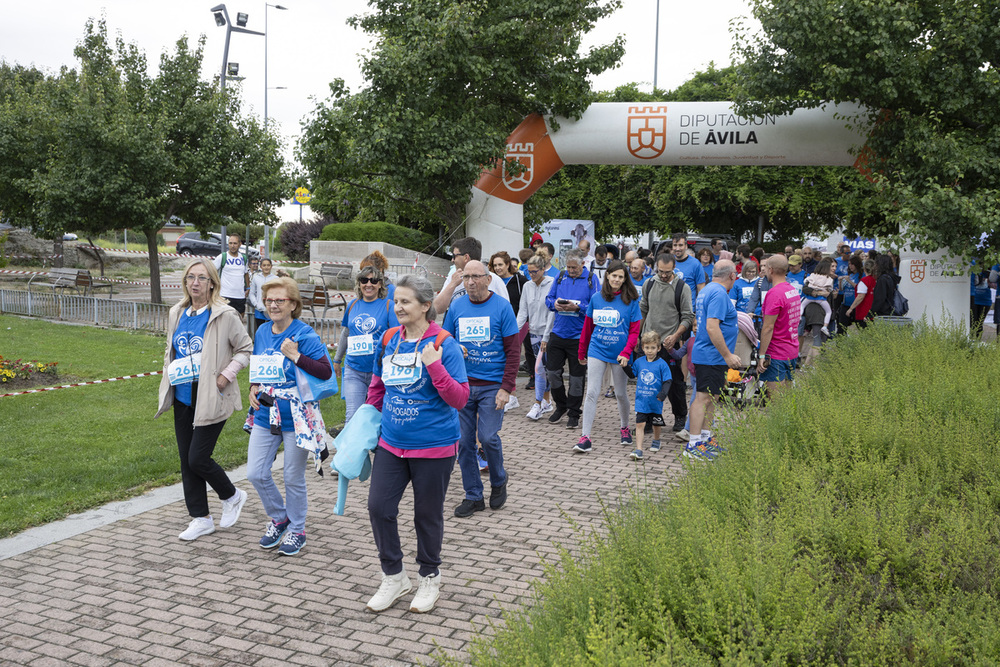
<point>743,387</point>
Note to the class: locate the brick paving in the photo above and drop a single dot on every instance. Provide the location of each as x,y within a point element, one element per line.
<point>131,593</point>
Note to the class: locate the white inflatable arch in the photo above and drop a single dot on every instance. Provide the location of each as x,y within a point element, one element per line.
<point>658,133</point>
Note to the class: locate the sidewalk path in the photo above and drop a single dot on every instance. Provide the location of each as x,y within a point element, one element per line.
<point>131,593</point>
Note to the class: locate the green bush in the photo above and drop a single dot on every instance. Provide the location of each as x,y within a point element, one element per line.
<point>414,239</point>
<point>852,522</point>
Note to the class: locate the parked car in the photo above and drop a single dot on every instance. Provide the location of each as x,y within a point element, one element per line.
<point>192,243</point>
<point>70,236</point>
<point>696,242</point>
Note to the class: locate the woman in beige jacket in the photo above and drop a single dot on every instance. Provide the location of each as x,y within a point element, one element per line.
<point>207,345</point>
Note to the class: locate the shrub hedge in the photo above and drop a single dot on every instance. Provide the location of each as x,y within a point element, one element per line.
<point>413,239</point>
<point>852,522</point>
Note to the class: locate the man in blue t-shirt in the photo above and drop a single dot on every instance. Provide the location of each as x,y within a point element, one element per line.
<point>637,272</point>
<point>485,325</point>
<point>842,259</point>
<point>687,266</point>
<point>713,355</point>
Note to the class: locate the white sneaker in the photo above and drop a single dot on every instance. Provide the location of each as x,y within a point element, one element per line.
<point>231,508</point>
<point>546,407</point>
<point>683,435</point>
<point>826,332</point>
<point>393,587</point>
<point>511,404</point>
<point>202,525</point>
<point>535,412</point>
<point>428,592</point>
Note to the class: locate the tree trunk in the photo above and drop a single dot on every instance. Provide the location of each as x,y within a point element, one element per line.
<point>154,267</point>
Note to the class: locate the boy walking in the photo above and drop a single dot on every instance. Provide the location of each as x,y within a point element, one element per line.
<point>652,383</point>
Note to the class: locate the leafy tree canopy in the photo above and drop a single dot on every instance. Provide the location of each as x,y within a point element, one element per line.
<point>928,73</point>
<point>447,82</point>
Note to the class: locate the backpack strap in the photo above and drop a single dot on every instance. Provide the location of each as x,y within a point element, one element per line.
<point>440,338</point>
<point>389,333</point>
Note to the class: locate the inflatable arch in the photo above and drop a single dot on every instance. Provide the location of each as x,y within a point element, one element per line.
<point>654,133</point>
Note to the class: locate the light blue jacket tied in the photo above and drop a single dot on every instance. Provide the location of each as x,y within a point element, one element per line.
<point>352,461</point>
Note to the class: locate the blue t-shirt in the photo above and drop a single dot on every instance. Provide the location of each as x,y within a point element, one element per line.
<point>612,320</point>
<point>708,271</point>
<point>366,321</point>
<point>981,294</point>
<point>189,339</point>
<point>849,292</point>
<point>552,271</point>
<point>268,342</point>
<point>713,302</point>
<point>797,280</point>
<point>481,328</point>
<point>638,283</point>
<point>649,377</point>
<point>414,416</point>
<point>740,294</point>
<point>691,271</point>
<point>843,269</point>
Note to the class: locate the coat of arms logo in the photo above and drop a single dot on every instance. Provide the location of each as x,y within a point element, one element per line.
<point>918,269</point>
<point>647,131</point>
<point>522,153</point>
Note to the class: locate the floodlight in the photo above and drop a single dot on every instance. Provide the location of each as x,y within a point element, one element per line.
<point>241,19</point>
<point>232,69</point>
<point>220,20</point>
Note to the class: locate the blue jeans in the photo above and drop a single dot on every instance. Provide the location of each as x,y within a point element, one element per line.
<point>778,371</point>
<point>354,389</point>
<point>541,384</point>
<point>261,451</point>
<point>480,415</point>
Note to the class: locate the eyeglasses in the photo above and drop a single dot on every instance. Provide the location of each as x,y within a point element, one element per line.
<point>276,302</point>
<point>534,271</point>
<point>365,280</point>
<point>473,276</point>
<point>196,279</point>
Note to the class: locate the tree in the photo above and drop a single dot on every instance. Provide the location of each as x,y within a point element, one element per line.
<point>127,149</point>
<point>628,200</point>
<point>446,83</point>
<point>927,72</point>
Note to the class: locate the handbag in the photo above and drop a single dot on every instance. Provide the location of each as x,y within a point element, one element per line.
<point>312,388</point>
<point>352,460</point>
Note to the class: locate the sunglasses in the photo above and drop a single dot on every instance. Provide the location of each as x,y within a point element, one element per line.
<point>365,280</point>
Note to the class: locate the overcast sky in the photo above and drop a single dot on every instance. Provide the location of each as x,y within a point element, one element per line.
<point>310,44</point>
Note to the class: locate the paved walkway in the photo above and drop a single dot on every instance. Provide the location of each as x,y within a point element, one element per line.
<point>131,593</point>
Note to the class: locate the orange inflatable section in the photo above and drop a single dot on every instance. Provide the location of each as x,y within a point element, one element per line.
<point>531,146</point>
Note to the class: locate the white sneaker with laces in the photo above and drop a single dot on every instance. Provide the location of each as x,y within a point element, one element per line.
<point>535,412</point>
<point>511,404</point>
<point>683,435</point>
<point>428,592</point>
<point>231,508</point>
<point>393,587</point>
<point>200,525</point>
<point>546,407</point>
<point>826,331</point>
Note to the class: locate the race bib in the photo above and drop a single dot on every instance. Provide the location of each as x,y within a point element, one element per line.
<point>361,345</point>
<point>608,318</point>
<point>184,370</point>
<point>267,368</point>
<point>401,369</point>
<point>763,293</point>
<point>473,329</point>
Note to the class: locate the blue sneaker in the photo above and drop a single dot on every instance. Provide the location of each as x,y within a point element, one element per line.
<point>654,446</point>
<point>292,544</point>
<point>584,446</point>
<point>699,452</point>
<point>481,460</point>
<point>714,445</point>
<point>636,454</point>
<point>275,531</point>
<point>626,436</point>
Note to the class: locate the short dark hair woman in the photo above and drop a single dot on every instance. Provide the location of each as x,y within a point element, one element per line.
<point>207,345</point>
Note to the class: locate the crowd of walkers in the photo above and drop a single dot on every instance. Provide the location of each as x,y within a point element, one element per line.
<point>442,368</point>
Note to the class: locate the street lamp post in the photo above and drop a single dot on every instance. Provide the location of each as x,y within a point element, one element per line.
<point>266,5</point>
<point>222,19</point>
<point>656,45</point>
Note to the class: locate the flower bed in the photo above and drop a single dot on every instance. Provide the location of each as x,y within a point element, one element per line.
<point>17,373</point>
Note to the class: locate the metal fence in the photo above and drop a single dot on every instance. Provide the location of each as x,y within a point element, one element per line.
<point>118,314</point>
<point>92,310</point>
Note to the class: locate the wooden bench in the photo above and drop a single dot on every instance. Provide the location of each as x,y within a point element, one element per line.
<point>314,295</point>
<point>74,279</point>
<point>336,271</point>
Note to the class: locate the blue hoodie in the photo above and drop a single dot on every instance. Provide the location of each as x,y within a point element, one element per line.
<point>570,324</point>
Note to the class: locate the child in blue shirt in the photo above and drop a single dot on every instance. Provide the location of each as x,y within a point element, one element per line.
<point>652,382</point>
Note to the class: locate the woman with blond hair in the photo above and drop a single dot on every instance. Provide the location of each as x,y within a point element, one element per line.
<point>282,346</point>
<point>207,345</point>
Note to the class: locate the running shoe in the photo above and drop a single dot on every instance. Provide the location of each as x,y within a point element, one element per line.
<point>481,460</point>
<point>635,454</point>
<point>654,446</point>
<point>584,446</point>
<point>535,412</point>
<point>626,436</point>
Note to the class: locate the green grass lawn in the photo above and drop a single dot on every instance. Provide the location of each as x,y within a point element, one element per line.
<point>69,450</point>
